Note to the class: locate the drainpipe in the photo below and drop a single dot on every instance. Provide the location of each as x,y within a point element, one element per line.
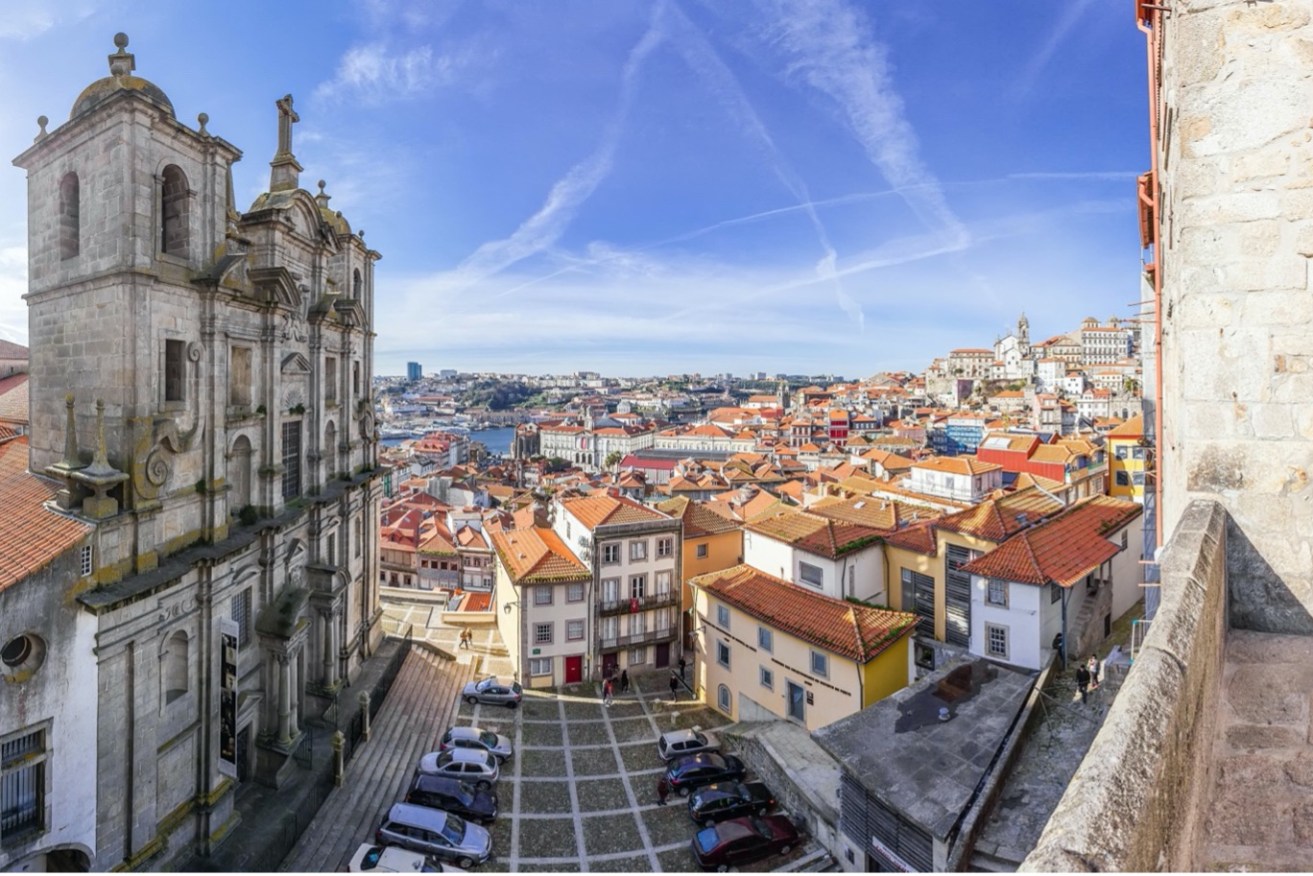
<point>1151,31</point>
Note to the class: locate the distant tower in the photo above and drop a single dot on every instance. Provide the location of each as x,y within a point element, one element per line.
<point>414,371</point>
<point>1023,330</point>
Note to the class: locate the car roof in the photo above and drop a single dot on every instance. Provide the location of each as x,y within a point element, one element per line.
<point>718,789</point>
<point>437,784</point>
<point>467,755</point>
<point>702,758</point>
<point>733,829</point>
<point>466,732</point>
<point>678,735</point>
<point>421,816</point>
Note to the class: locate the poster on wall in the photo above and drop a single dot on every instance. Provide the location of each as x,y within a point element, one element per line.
<point>228,697</point>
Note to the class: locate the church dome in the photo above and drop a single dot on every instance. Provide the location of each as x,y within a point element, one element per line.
<point>121,65</point>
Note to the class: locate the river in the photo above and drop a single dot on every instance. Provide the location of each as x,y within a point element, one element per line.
<point>496,440</point>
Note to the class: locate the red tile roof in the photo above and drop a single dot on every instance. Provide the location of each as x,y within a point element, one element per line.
<point>847,629</point>
<point>1064,549</point>
<point>538,556</point>
<point>33,535</point>
<point>998,518</point>
<point>13,398</point>
<point>595,511</point>
<point>816,534</point>
<point>698,520</point>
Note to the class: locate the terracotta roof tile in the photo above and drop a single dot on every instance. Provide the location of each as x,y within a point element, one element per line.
<point>698,520</point>
<point>33,535</point>
<point>857,632</point>
<point>998,518</point>
<point>967,465</point>
<point>538,556</point>
<point>595,511</point>
<point>13,398</point>
<point>816,534</point>
<point>1064,549</point>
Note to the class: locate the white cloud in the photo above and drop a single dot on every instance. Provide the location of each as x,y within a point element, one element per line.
<point>1065,23</point>
<point>541,230</point>
<point>376,73</point>
<point>25,19</point>
<point>13,286</point>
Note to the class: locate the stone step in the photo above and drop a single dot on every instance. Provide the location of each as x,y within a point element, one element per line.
<point>812,862</point>
<point>421,703</point>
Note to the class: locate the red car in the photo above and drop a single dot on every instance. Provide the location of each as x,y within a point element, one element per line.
<point>743,840</point>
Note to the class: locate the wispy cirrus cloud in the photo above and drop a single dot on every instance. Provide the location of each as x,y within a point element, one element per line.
<point>541,230</point>
<point>375,73</point>
<point>1062,27</point>
<point>828,45</point>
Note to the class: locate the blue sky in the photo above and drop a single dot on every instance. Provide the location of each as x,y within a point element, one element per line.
<point>815,186</point>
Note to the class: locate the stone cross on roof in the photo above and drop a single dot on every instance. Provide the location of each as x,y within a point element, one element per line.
<point>286,170</point>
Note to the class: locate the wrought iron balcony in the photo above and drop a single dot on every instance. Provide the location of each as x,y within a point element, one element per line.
<point>631,605</point>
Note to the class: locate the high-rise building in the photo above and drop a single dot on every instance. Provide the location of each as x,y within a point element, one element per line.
<point>414,371</point>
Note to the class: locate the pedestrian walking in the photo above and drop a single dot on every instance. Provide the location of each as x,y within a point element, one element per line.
<point>463,642</point>
<point>1082,681</point>
<point>607,692</point>
<point>682,664</point>
<point>674,686</point>
<point>663,791</point>
<point>624,681</point>
<point>1093,667</point>
<point>469,637</point>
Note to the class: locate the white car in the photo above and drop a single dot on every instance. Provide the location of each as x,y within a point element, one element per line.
<point>371,858</point>
<point>678,743</point>
<point>478,739</point>
<point>473,765</point>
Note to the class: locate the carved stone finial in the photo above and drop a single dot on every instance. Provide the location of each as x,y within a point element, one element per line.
<point>70,459</point>
<point>122,62</point>
<point>286,170</point>
<point>41,122</point>
<point>323,197</point>
<point>203,119</point>
<point>361,232</point>
<point>100,463</point>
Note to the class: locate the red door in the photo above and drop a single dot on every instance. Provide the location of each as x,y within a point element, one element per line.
<point>574,669</point>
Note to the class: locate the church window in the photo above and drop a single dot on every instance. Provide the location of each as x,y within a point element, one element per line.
<point>330,450</point>
<point>355,379</point>
<point>173,666</point>
<point>241,615</point>
<point>292,459</point>
<point>239,473</point>
<point>355,285</point>
<point>331,552</point>
<point>239,377</point>
<point>174,229</point>
<point>69,218</point>
<point>174,370</point>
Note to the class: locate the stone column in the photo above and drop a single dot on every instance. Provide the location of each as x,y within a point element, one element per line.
<point>294,680</point>
<point>284,700</point>
<point>364,714</point>
<point>326,618</point>
<point>338,741</point>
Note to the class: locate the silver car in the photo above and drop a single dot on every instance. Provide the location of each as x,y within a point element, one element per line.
<point>434,832</point>
<point>677,743</point>
<point>493,692</point>
<point>473,765</point>
<point>478,739</point>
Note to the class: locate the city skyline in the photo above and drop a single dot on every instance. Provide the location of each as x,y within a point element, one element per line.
<point>664,188</point>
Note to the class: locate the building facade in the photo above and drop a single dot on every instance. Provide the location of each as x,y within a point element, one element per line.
<point>200,385</point>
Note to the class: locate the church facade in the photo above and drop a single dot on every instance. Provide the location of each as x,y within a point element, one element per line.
<point>201,388</point>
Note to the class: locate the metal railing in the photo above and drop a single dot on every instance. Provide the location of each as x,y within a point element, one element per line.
<point>638,603</point>
<point>644,638</point>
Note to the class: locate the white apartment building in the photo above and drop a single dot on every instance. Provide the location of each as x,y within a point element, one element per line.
<point>960,478</point>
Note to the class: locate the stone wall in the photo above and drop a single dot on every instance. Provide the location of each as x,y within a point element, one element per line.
<point>1235,238</point>
<point>1134,801</point>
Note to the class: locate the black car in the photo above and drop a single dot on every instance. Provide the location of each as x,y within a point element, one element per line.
<point>452,795</point>
<point>695,770</point>
<point>716,802</point>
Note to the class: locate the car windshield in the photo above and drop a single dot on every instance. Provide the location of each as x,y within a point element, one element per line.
<point>466,792</point>
<point>762,828</point>
<point>454,829</point>
<point>706,839</point>
<point>446,737</point>
<point>487,683</point>
<point>491,761</point>
<point>516,687</point>
<point>370,861</point>
<point>488,739</point>
<point>699,739</point>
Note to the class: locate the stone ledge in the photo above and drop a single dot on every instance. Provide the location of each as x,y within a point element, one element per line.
<point>1140,780</point>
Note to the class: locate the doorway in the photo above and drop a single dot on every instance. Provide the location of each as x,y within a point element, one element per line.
<point>797,702</point>
<point>610,663</point>
<point>574,669</point>
<point>662,655</point>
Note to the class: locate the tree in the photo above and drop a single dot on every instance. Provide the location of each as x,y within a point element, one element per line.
<point>613,458</point>
<point>557,464</point>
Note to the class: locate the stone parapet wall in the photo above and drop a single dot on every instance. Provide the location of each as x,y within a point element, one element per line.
<point>1133,804</point>
<point>1235,241</point>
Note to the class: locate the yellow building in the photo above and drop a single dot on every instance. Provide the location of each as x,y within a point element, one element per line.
<point>769,649</point>
<point>711,541</point>
<point>1128,460</point>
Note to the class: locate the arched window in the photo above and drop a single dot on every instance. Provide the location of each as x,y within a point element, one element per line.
<point>239,470</point>
<point>174,224</point>
<point>355,285</point>
<point>722,698</point>
<point>69,221</point>
<point>173,667</point>
<point>330,450</point>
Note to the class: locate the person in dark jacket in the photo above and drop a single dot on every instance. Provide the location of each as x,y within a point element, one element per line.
<point>1083,682</point>
<point>624,681</point>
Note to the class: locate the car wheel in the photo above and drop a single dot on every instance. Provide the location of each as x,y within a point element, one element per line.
<point>708,822</point>
<point>722,868</point>
<point>483,784</point>
<point>683,792</point>
<point>465,863</point>
<point>500,760</point>
<point>512,704</point>
<point>784,850</point>
<point>472,700</point>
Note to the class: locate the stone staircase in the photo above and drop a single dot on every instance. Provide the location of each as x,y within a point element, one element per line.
<point>420,706</point>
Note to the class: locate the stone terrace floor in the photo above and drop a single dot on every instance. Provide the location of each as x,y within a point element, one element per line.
<point>1260,808</point>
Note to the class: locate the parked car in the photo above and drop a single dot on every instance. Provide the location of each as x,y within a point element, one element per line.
<point>479,739</point>
<point>743,840</point>
<point>434,832</point>
<point>680,742</point>
<point>493,692</point>
<point>695,770</point>
<point>479,768</point>
<point>453,795</point>
<point>722,800</point>
<point>371,858</point>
